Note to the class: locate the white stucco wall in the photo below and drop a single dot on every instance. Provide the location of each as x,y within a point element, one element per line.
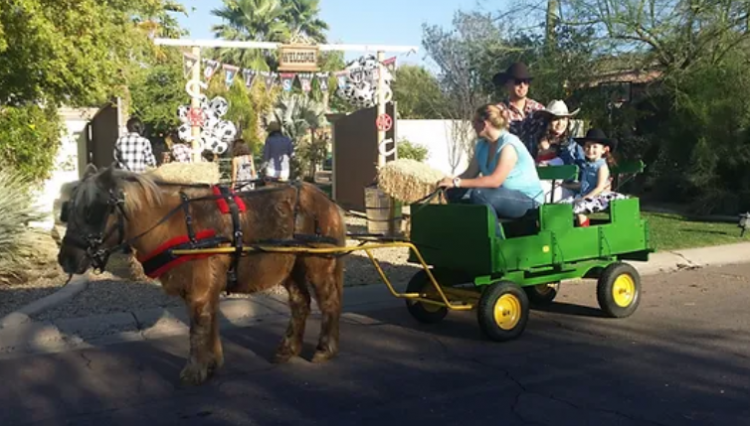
<point>70,156</point>
<point>439,138</point>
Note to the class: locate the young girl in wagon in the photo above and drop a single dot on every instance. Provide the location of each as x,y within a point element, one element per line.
<point>592,192</point>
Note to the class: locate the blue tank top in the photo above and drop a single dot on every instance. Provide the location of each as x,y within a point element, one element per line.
<point>589,174</point>
<point>523,177</point>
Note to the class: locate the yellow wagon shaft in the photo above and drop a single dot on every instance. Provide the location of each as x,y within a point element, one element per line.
<point>466,297</point>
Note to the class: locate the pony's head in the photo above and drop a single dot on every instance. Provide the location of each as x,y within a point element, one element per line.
<point>95,217</point>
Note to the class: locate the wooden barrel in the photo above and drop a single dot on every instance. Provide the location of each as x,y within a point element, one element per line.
<point>383,213</point>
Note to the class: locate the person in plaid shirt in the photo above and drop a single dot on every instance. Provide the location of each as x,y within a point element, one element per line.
<point>132,151</point>
<point>515,80</point>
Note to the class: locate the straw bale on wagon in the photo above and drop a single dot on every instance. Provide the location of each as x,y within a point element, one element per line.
<point>188,173</point>
<point>408,180</point>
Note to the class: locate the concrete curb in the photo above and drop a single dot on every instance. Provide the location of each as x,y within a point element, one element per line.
<point>77,284</point>
<point>20,335</point>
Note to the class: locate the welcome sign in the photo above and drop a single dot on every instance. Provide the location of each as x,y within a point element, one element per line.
<point>298,58</point>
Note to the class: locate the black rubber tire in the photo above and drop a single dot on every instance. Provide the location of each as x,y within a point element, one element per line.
<point>486,311</point>
<point>426,314</point>
<point>605,292</point>
<point>542,298</point>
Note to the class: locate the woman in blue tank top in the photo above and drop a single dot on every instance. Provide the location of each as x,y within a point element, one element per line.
<point>502,174</point>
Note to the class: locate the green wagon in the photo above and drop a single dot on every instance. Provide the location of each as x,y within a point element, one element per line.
<point>471,269</point>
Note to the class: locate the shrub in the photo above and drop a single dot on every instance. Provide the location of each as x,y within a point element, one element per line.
<point>406,149</point>
<point>17,240</point>
<point>29,139</point>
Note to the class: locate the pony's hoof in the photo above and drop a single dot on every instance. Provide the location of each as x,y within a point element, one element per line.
<point>282,357</point>
<point>194,374</point>
<point>322,356</point>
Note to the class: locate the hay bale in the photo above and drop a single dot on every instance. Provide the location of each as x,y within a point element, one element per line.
<point>204,172</point>
<point>408,180</point>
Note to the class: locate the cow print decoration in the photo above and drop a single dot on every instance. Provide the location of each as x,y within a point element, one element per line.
<point>361,88</point>
<point>216,133</point>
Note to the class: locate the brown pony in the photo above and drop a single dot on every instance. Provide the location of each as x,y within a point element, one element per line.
<point>110,209</point>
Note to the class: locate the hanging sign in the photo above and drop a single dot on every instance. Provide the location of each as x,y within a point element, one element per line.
<point>298,57</point>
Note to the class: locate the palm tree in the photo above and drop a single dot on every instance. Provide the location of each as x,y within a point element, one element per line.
<point>302,15</point>
<point>251,20</point>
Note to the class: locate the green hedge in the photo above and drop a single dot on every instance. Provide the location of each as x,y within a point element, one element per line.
<point>29,140</point>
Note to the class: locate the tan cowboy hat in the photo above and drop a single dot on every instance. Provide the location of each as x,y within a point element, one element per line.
<point>558,108</point>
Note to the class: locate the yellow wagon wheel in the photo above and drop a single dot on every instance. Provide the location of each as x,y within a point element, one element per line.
<point>542,294</point>
<point>503,311</point>
<point>618,290</point>
<point>424,312</point>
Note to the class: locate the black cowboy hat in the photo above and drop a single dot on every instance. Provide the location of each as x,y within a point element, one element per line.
<point>516,71</point>
<point>598,136</point>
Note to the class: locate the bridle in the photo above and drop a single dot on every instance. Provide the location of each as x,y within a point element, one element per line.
<point>92,242</point>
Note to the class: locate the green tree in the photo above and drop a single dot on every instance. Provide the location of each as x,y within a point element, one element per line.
<point>302,16</point>
<point>158,91</point>
<point>265,20</point>
<point>418,93</point>
<point>251,20</point>
<point>77,53</point>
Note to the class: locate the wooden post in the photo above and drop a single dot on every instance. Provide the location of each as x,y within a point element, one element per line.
<point>195,103</point>
<point>381,105</point>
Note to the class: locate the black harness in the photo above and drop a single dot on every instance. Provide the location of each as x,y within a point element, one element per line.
<point>92,243</point>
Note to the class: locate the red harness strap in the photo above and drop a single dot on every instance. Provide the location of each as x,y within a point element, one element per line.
<point>161,260</point>
<point>222,203</point>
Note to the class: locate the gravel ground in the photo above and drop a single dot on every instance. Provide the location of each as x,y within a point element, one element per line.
<point>20,286</point>
<point>110,293</point>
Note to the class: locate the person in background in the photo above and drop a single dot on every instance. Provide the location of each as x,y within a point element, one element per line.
<point>243,167</point>
<point>132,151</point>
<point>181,152</point>
<point>277,153</point>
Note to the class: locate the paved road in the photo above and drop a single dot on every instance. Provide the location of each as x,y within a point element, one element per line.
<point>682,359</point>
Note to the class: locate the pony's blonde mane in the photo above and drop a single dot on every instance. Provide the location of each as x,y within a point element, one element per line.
<point>140,189</point>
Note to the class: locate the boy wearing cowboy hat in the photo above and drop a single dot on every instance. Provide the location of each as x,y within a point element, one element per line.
<point>515,80</point>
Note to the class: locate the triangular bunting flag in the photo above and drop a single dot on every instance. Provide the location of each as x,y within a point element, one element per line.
<point>230,71</point>
<point>287,81</point>
<point>341,77</point>
<point>390,64</point>
<point>305,80</point>
<point>270,78</point>
<point>323,80</point>
<point>211,66</point>
<point>249,76</point>
<point>188,62</point>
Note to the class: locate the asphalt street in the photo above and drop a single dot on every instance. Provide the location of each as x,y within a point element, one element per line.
<point>682,359</point>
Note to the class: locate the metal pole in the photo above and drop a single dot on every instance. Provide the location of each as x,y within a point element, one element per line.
<point>195,103</point>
